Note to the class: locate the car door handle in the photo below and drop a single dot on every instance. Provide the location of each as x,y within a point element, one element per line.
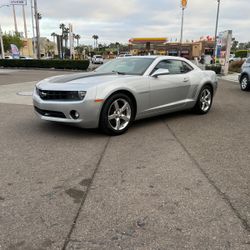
<point>185,80</point>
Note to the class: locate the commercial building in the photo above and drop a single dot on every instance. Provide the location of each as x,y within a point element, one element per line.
<point>160,46</point>
<point>47,47</point>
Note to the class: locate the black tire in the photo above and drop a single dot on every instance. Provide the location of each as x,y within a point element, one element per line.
<point>244,83</point>
<point>201,108</point>
<point>107,125</point>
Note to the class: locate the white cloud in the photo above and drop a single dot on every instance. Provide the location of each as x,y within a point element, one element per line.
<point>119,20</point>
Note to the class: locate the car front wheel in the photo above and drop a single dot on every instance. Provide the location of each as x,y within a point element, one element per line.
<point>117,114</point>
<point>244,83</point>
<point>204,102</point>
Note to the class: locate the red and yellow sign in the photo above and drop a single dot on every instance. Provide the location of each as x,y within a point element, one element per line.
<point>184,3</point>
<point>148,40</point>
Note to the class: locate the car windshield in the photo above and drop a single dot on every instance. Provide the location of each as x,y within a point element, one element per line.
<point>126,66</point>
<point>98,56</point>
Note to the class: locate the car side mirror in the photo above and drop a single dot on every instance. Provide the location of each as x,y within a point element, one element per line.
<point>160,72</point>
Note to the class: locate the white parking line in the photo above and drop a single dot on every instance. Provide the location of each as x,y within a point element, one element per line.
<point>18,93</point>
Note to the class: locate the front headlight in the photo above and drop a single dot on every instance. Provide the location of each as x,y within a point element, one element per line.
<point>37,90</point>
<point>81,94</point>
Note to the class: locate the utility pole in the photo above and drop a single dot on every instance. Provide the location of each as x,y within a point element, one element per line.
<point>24,22</point>
<point>1,41</point>
<point>33,28</point>
<point>14,15</point>
<point>37,30</point>
<point>216,28</point>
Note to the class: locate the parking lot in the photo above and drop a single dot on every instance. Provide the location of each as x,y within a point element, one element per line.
<point>178,181</point>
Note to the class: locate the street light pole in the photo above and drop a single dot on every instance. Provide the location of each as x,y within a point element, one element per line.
<point>1,34</point>
<point>216,27</point>
<point>183,7</point>
<point>182,23</point>
<point>37,30</point>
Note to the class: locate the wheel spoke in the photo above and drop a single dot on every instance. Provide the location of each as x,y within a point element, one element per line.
<point>112,117</point>
<point>123,108</point>
<point>125,118</point>
<point>116,105</point>
<point>208,96</point>
<point>203,106</point>
<point>118,123</point>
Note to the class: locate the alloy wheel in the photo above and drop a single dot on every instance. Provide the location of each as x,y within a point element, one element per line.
<point>205,100</point>
<point>119,114</point>
<point>244,83</point>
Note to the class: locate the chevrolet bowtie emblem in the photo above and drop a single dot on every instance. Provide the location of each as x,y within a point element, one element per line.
<point>43,94</point>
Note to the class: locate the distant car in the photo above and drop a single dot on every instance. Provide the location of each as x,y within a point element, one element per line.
<point>8,57</point>
<point>26,58</point>
<point>124,55</point>
<point>236,59</point>
<point>123,90</point>
<point>244,77</point>
<point>97,59</point>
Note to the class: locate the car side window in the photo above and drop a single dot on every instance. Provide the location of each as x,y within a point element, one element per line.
<point>248,60</point>
<point>186,67</point>
<point>174,66</point>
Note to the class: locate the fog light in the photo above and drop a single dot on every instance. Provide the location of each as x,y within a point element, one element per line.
<point>74,114</point>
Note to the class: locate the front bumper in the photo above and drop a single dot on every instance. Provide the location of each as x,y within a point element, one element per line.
<point>60,111</point>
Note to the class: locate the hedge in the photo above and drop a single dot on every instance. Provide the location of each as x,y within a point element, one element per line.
<point>242,53</point>
<point>214,67</point>
<point>57,64</point>
<point>236,66</point>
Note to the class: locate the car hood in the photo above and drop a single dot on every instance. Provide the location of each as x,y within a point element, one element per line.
<point>81,81</point>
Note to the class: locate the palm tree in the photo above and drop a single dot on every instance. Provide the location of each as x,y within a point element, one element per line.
<point>66,36</point>
<point>54,36</point>
<point>62,27</point>
<point>77,37</point>
<point>95,37</point>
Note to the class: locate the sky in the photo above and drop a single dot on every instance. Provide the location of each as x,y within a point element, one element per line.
<point>119,20</point>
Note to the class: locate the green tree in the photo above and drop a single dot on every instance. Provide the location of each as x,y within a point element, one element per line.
<point>9,39</point>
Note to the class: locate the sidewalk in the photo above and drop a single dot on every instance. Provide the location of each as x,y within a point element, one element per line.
<point>230,77</point>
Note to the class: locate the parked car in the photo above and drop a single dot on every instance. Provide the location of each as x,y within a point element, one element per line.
<point>124,55</point>
<point>244,77</point>
<point>26,58</point>
<point>8,57</point>
<point>236,59</point>
<point>124,90</point>
<point>97,59</point>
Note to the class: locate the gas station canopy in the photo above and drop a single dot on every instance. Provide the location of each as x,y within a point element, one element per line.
<point>148,40</point>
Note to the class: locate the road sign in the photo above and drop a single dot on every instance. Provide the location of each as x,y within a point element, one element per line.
<point>184,3</point>
<point>18,2</point>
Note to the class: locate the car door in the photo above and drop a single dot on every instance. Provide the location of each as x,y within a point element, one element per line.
<point>169,92</point>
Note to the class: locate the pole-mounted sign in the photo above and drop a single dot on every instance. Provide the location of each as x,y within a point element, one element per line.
<point>183,4</point>
<point>18,2</point>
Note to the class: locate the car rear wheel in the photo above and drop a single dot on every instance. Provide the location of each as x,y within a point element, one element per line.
<point>205,100</point>
<point>117,114</point>
<point>244,83</point>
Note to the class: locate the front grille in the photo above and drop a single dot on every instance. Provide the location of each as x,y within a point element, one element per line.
<point>50,113</point>
<point>52,95</point>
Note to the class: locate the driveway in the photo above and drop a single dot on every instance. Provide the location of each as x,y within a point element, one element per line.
<point>172,182</point>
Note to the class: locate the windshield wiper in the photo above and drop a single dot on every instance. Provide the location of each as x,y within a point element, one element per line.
<point>118,72</point>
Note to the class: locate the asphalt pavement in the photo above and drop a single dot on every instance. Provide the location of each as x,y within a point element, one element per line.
<point>178,181</point>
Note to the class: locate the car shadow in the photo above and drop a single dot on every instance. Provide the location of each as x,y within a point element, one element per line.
<point>66,130</point>
<point>164,117</point>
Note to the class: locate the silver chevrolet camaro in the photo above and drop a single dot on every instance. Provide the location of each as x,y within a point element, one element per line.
<point>124,90</point>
